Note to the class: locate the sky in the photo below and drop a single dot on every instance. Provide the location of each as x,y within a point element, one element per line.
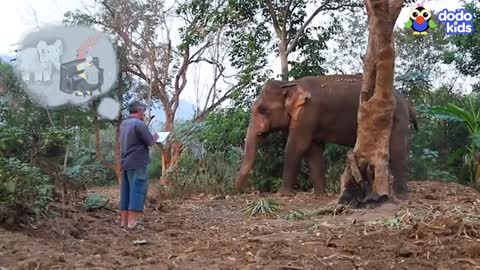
<point>18,17</point>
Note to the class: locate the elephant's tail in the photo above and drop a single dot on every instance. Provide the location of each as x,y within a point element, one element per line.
<point>413,114</point>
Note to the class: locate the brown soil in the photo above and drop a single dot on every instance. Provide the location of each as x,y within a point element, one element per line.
<point>437,228</point>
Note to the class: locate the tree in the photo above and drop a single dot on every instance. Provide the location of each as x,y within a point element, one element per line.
<point>367,177</point>
<point>141,30</point>
<point>466,52</point>
<point>294,31</point>
<point>349,44</point>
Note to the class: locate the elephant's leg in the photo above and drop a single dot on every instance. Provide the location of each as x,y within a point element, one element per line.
<point>296,148</point>
<point>47,74</point>
<point>316,162</point>
<point>38,75</point>
<point>399,150</point>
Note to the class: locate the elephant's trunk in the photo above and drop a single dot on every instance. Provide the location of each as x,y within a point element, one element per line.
<point>251,146</point>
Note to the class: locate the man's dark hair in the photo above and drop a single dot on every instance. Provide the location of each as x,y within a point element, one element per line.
<point>136,106</point>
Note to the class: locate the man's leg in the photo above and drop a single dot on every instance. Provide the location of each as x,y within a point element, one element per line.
<point>124,199</point>
<point>138,190</point>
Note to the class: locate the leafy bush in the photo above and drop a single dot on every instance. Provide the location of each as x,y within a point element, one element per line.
<point>470,117</point>
<point>54,141</point>
<point>207,172</point>
<point>12,141</point>
<point>214,135</point>
<point>87,170</point>
<point>23,184</point>
<point>155,166</point>
<point>335,157</point>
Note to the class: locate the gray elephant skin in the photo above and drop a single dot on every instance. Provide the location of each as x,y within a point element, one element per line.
<point>315,111</point>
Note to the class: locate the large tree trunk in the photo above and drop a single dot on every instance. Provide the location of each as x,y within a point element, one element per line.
<point>170,152</point>
<point>367,177</point>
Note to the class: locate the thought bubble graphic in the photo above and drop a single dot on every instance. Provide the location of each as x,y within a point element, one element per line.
<point>109,108</point>
<point>66,65</point>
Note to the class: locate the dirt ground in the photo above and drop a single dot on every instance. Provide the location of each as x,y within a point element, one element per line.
<point>437,228</point>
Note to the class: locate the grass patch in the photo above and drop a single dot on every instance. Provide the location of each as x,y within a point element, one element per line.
<point>262,207</point>
<point>323,211</point>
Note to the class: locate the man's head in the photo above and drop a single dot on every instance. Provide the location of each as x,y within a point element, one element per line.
<point>137,109</point>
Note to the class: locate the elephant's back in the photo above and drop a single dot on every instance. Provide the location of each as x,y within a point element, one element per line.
<point>27,56</point>
<point>335,105</point>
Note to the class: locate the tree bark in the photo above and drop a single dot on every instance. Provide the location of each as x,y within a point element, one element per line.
<point>170,152</point>
<point>367,178</point>
<point>284,62</point>
<point>115,166</point>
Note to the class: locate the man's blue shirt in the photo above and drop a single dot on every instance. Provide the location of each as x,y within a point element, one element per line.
<point>135,139</point>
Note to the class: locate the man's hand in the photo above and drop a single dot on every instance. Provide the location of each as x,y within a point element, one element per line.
<point>155,137</point>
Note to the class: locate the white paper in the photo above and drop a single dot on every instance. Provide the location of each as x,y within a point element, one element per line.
<point>162,137</point>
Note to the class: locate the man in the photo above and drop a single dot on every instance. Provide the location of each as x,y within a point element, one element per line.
<point>135,139</point>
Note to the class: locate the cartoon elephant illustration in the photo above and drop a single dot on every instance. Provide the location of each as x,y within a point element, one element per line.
<point>40,60</point>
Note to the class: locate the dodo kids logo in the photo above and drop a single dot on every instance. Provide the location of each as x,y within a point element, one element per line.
<point>458,22</point>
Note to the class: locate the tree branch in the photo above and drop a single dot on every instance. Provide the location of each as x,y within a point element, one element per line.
<point>276,26</point>
<point>395,8</point>
<point>204,113</point>
<point>323,7</point>
<point>181,75</point>
<point>286,14</point>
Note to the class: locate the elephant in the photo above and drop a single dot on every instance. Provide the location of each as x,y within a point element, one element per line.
<point>314,111</point>
<point>40,60</point>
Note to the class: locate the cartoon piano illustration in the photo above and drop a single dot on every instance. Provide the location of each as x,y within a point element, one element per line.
<point>81,76</point>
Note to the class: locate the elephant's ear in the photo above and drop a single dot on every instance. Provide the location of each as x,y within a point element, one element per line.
<point>295,98</point>
<point>58,44</point>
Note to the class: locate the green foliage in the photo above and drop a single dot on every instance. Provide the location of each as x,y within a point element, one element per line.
<point>466,51</point>
<point>23,184</point>
<point>267,171</point>
<point>327,210</point>
<point>295,215</point>
<point>12,141</point>
<point>201,171</point>
<point>84,168</point>
<point>264,206</point>
<point>154,169</point>
<point>470,117</point>
<point>235,121</point>
<point>335,157</point>
<point>54,140</point>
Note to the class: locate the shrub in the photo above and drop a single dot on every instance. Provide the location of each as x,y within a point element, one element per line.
<point>87,170</point>
<point>155,166</point>
<point>206,172</point>
<point>23,184</point>
<point>12,141</point>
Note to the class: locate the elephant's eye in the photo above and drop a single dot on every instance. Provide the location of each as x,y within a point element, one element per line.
<point>262,110</point>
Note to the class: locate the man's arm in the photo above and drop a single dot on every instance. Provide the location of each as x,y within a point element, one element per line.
<point>145,135</point>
